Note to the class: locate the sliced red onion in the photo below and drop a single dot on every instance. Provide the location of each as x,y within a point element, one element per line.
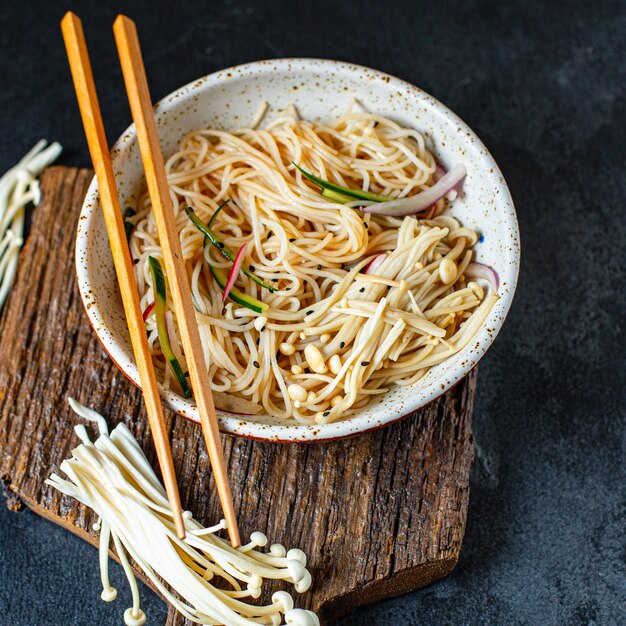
<point>440,172</point>
<point>421,201</point>
<point>234,272</point>
<point>480,270</point>
<point>373,266</point>
<point>147,311</point>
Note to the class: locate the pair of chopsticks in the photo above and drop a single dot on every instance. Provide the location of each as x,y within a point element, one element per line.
<point>134,73</point>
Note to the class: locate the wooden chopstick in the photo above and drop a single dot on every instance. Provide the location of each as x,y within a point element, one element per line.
<point>134,73</point>
<point>82,76</point>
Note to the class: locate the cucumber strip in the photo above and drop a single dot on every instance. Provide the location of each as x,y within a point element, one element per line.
<point>225,251</point>
<point>235,295</point>
<point>219,208</point>
<point>353,194</point>
<point>160,295</point>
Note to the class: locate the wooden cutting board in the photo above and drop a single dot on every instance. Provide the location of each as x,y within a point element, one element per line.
<point>378,515</point>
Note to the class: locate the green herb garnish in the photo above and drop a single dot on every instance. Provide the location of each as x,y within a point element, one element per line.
<point>342,194</point>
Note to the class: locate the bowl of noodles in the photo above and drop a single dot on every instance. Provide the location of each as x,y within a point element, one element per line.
<point>352,248</point>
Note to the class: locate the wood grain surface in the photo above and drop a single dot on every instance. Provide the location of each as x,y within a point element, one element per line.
<point>378,515</point>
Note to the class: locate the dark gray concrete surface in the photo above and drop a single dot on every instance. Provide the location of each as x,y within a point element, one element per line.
<point>543,84</point>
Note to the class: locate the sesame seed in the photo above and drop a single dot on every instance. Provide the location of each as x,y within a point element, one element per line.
<point>135,261</point>
<point>258,341</point>
<point>292,240</point>
<point>326,413</point>
<point>319,267</point>
<point>362,289</point>
<point>274,280</point>
<point>256,364</point>
<point>365,363</point>
<point>219,244</point>
<point>251,268</point>
<point>342,344</point>
<point>309,312</point>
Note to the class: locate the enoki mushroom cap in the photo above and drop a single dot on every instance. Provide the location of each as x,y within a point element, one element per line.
<point>301,617</point>
<point>134,619</point>
<point>283,601</point>
<point>278,549</point>
<point>258,539</point>
<point>295,554</point>
<point>305,583</point>
<point>108,595</point>
<point>296,570</point>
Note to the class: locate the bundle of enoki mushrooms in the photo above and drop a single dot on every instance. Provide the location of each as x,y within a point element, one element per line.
<point>113,477</point>
<point>18,188</point>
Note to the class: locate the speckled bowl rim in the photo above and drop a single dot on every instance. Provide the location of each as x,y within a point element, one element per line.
<point>365,420</point>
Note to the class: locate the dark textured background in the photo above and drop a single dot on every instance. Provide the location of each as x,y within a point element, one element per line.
<point>544,85</point>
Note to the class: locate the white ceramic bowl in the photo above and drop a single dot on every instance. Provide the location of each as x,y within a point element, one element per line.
<point>320,90</point>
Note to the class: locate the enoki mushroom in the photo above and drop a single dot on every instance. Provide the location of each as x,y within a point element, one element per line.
<point>18,187</point>
<point>113,477</point>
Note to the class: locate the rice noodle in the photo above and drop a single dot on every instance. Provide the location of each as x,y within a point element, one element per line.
<point>312,249</point>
